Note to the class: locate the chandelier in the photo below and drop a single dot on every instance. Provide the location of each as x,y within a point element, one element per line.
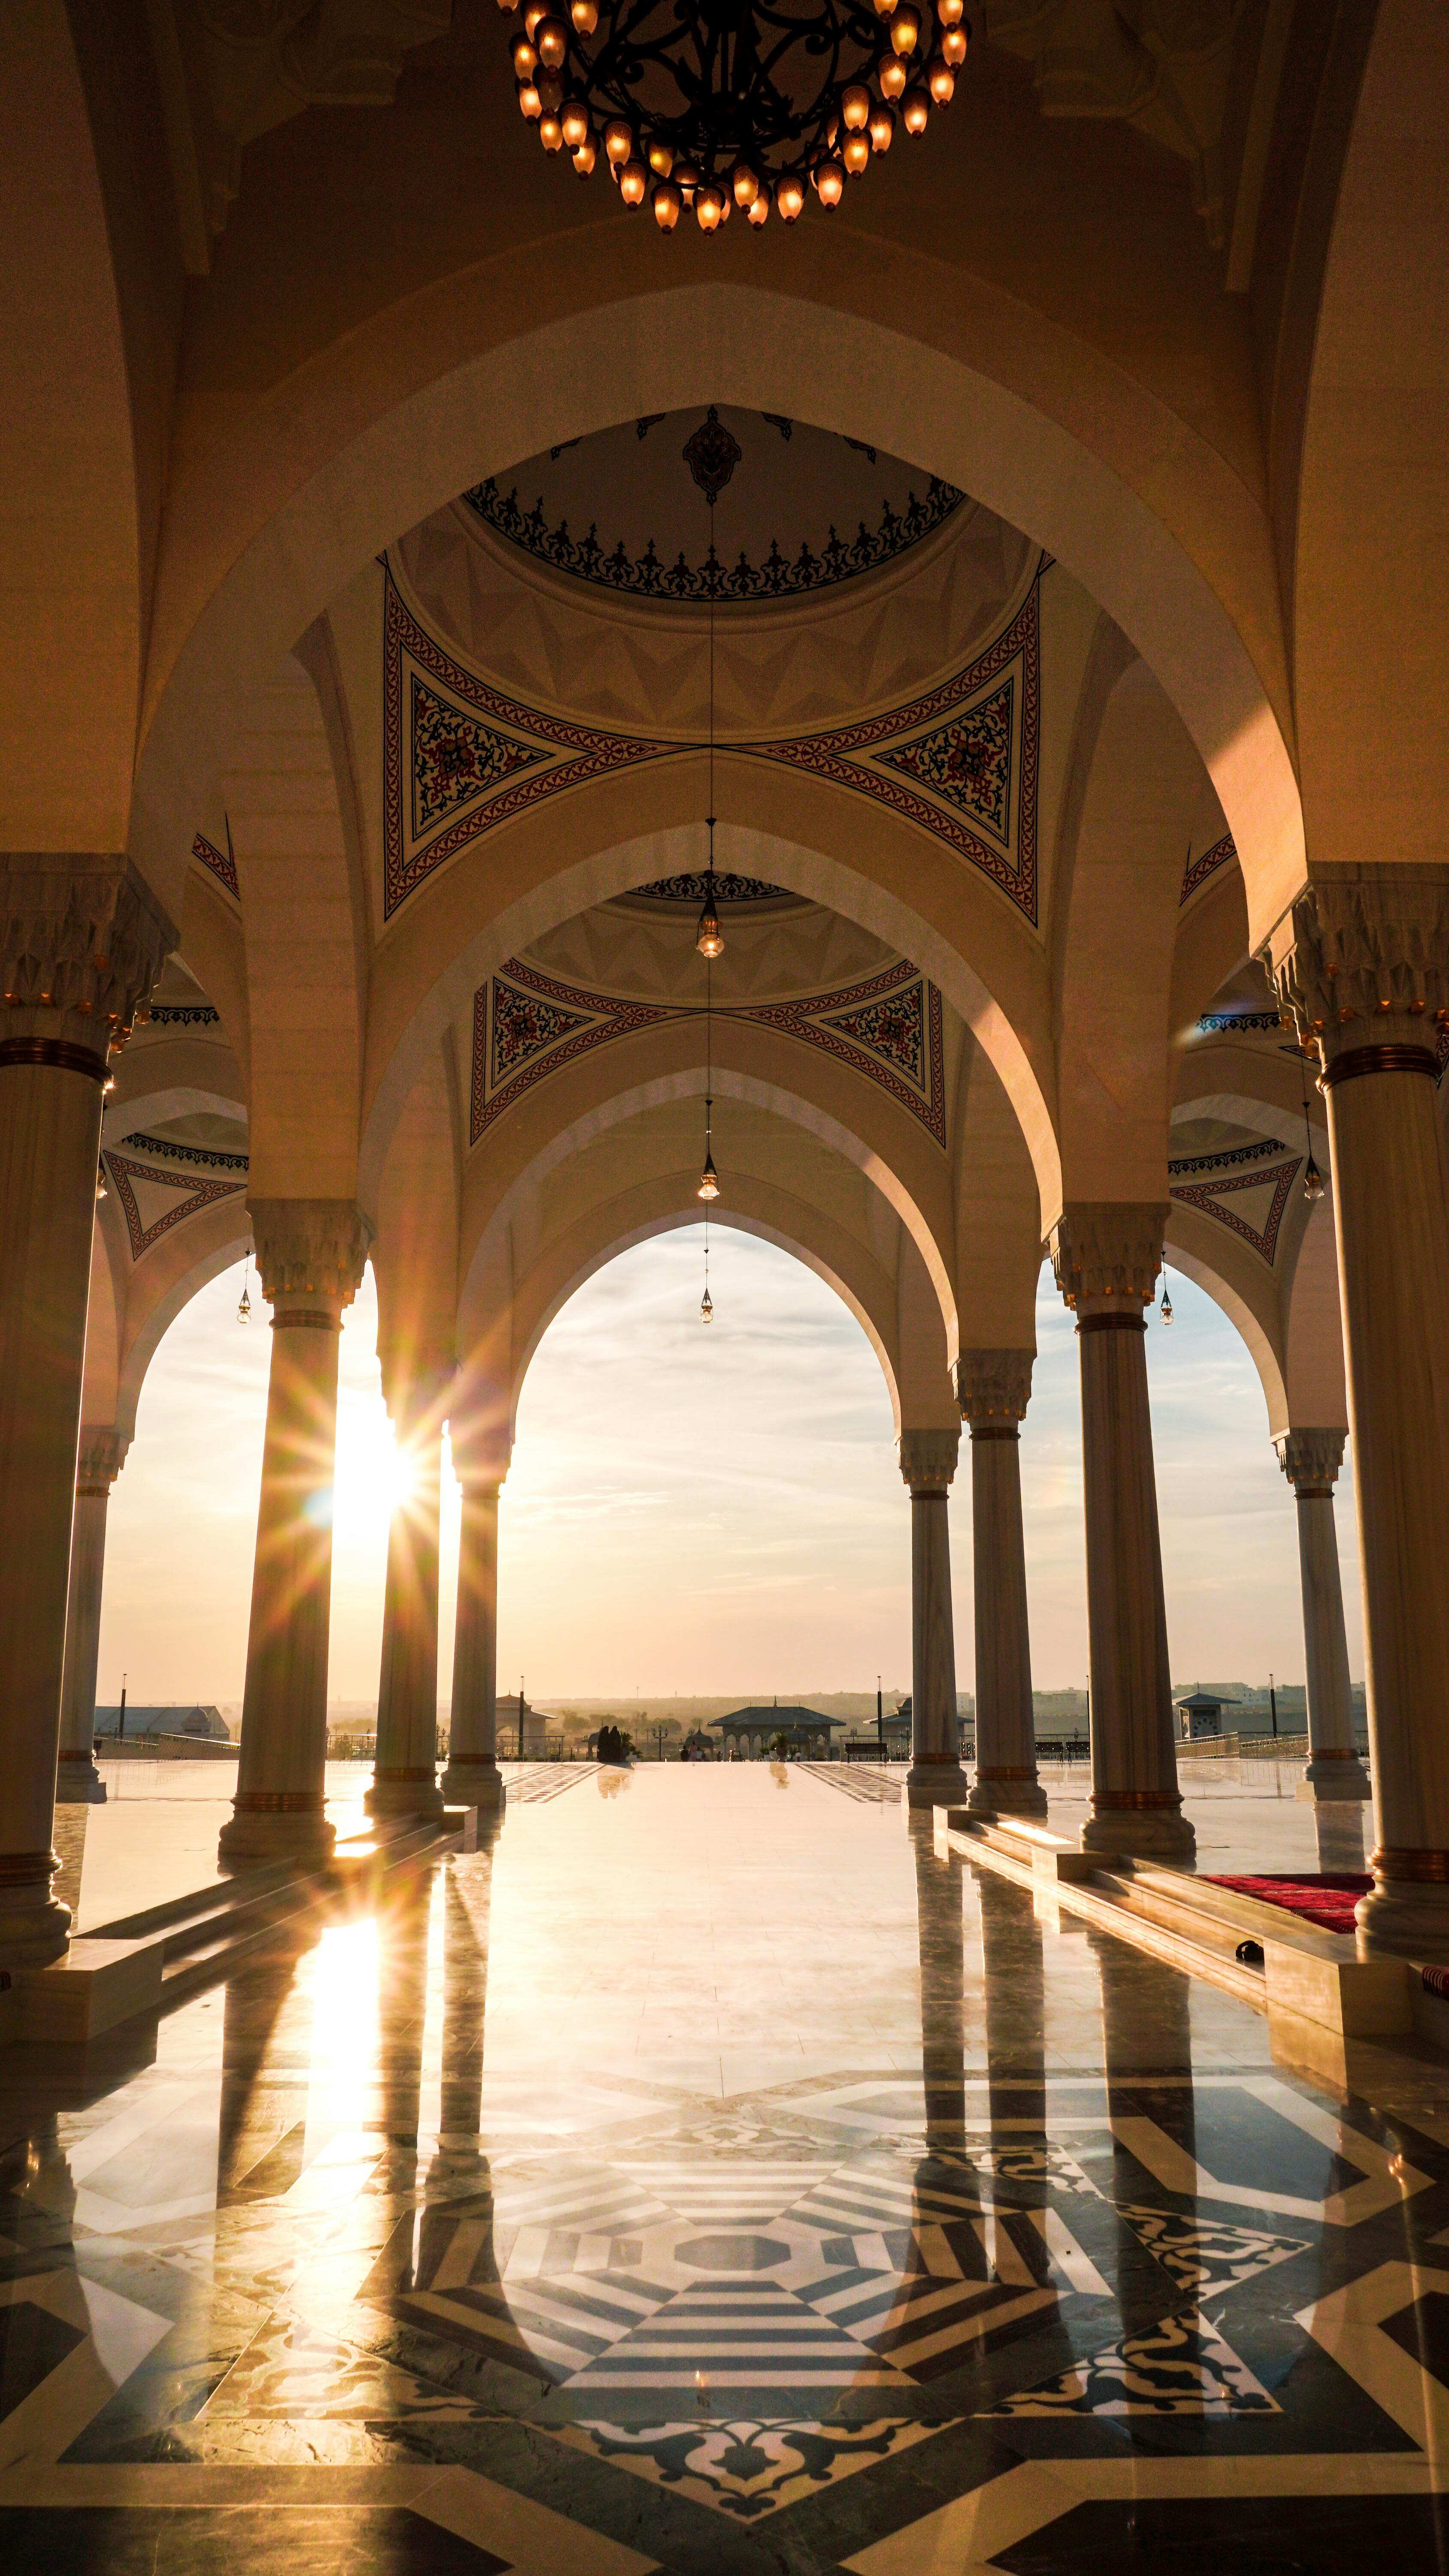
<point>713,104</point>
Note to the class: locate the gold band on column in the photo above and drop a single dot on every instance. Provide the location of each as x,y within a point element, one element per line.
<point>278,1802</point>
<point>1426,1867</point>
<point>56,1053</point>
<point>289,1319</point>
<point>1111,1323</point>
<point>1006,1770</point>
<point>27,1869</point>
<point>1129,1801</point>
<point>995,1431</point>
<point>1336,1753</point>
<point>1389,1058</point>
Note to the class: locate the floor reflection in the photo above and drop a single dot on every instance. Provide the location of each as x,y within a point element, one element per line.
<point>695,2157</point>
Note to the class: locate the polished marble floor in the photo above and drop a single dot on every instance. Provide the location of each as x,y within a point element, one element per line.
<point>715,2174</point>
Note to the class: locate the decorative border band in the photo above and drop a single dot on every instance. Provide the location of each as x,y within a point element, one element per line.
<point>57,1055</point>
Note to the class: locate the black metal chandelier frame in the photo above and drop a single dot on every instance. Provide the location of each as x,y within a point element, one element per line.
<point>713,104</point>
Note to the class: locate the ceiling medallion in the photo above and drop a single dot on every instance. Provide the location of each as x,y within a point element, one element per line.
<point>721,103</point>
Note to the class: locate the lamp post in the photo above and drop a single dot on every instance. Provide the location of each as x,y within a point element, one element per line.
<point>1273,1707</point>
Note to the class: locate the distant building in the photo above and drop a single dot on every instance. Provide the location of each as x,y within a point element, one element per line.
<point>750,1732</point>
<point>1201,1713</point>
<point>536,1737</point>
<point>176,1718</point>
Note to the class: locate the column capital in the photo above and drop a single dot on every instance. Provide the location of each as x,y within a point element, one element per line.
<point>82,941</point>
<point>1361,957</point>
<point>1108,1252</point>
<point>310,1252</point>
<point>1310,1459</point>
<point>994,1386</point>
<point>928,1459</point>
<point>101,1458</point>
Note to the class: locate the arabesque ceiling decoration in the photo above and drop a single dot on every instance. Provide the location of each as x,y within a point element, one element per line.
<point>528,1025</point>
<point>154,1201</point>
<point>959,761</point>
<point>735,506</point>
<point>1245,1189</point>
<point>1206,865</point>
<point>219,863</point>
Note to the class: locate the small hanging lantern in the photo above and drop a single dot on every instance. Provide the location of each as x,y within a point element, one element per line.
<point>709,938</point>
<point>1312,1177</point>
<point>243,1312</point>
<point>1165,1310</point>
<point>706,1306</point>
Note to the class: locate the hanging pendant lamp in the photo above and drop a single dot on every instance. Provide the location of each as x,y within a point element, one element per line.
<point>1312,1177</point>
<point>709,1177</point>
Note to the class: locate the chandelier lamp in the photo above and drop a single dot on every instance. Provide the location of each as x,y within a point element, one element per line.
<point>709,105</point>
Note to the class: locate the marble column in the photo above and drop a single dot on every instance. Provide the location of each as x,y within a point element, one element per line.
<point>994,1388</point>
<point>935,1778</point>
<point>1361,959</point>
<point>472,1778</point>
<point>82,941</point>
<point>102,1455</point>
<point>1311,1460</point>
<point>1106,1256</point>
<point>405,1770</point>
<point>310,1255</point>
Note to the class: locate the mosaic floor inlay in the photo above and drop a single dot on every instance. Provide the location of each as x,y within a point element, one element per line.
<point>711,2173</point>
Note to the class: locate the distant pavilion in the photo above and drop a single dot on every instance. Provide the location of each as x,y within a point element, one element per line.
<point>751,1732</point>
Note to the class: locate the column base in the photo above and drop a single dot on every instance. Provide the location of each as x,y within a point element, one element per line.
<point>1140,1832</point>
<point>474,1784</point>
<point>275,1828</point>
<point>1333,1776</point>
<point>405,1793</point>
<point>1407,1908</point>
<point>936,1784</point>
<point>1007,1793</point>
<point>34,1925</point>
<point>77,1782</point>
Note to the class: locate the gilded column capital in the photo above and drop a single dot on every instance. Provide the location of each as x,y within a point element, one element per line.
<point>928,1459</point>
<point>310,1254</point>
<point>1361,957</point>
<point>1310,1460</point>
<point>101,1457</point>
<point>1106,1253</point>
<point>994,1386</point>
<point>82,941</point>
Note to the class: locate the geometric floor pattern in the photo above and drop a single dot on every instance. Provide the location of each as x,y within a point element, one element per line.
<point>307,2280</point>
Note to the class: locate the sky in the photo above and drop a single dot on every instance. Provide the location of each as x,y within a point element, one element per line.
<point>691,1507</point>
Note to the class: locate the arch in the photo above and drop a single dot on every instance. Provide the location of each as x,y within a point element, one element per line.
<point>666,1066</point>
<point>1252,1323</point>
<point>564,860</point>
<point>658,1208</point>
<point>408,406</point>
<point>195,1255</point>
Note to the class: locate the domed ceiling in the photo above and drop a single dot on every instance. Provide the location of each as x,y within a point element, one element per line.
<point>791,510</point>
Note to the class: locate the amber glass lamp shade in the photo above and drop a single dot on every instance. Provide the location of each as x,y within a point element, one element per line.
<point>709,938</point>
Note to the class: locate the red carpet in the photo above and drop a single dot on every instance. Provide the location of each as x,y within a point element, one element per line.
<point>1326,1902</point>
